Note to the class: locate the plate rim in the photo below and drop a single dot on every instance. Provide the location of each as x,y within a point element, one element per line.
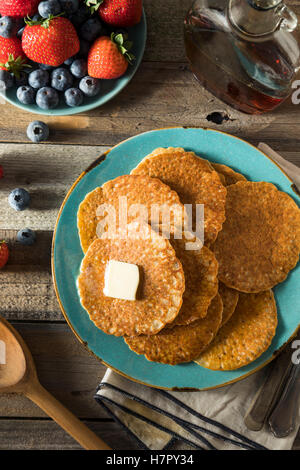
<point>69,111</point>
<point>94,164</point>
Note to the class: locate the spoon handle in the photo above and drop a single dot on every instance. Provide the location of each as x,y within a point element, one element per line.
<point>72,425</point>
<point>284,417</point>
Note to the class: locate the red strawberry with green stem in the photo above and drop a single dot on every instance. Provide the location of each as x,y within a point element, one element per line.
<point>118,13</point>
<point>18,8</point>
<point>4,254</point>
<point>12,57</point>
<point>109,57</point>
<point>50,41</point>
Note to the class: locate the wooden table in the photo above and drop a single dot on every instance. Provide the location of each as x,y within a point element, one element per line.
<point>163,93</point>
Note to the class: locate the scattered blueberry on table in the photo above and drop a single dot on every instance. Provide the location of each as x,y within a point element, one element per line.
<point>26,236</point>
<point>37,131</point>
<point>19,199</point>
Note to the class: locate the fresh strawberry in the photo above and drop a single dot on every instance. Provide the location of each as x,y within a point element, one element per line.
<point>4,254</point>
<point>50,41</point>
<point>119,13</point>
<point>18,8</point>
<point>12,57</point>
<point>109,57</point>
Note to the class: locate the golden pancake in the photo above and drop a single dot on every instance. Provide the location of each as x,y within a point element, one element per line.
<point>200,270</point>
<point>230,299</point>
<point>139,190</point>
<point>161,282</point>
<point>181,343</point>
<point>260,240</point>
<point>228,175</point>
<point>247,334</point>
<point>194,180</point>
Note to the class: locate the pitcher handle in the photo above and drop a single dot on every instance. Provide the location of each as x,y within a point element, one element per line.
<point>289,20</point>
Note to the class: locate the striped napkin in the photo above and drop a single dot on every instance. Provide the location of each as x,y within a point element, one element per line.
<point>210,420</point>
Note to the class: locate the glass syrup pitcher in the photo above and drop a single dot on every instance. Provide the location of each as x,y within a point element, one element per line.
<point>246,52</point>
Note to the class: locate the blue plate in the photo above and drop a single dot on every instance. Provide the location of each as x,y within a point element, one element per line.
<point>110,88</point>
<point>67,256</point>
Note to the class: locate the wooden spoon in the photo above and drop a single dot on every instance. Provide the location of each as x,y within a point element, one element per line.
<point>18,375</point>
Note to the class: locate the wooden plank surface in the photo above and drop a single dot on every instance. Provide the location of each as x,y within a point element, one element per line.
<point>47,172</point>
<point>160,95</point>
<point>64,367</point>
<point>163,93</point>
<point>46,435</point>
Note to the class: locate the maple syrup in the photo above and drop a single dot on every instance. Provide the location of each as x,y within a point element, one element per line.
<point>245,55</point>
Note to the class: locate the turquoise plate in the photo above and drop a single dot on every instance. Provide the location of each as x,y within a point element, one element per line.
<point>110,88</point>
<point>67,256</point>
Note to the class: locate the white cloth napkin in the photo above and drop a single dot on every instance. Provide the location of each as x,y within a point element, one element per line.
<point>212,419</point>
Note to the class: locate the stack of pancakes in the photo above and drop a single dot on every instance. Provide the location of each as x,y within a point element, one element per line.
<point>212,304</point>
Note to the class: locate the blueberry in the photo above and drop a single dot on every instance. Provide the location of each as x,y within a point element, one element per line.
<point>70,60</point>
<point>46,67</point>
<point>80,16</point>
<point>19,199</point>
<point>49,7</point>
<point>89,86</point>
<point>8,27</point>
<point>22,79</point>
<point>73,97</point>
<point>6,80</point>
<point>84,48</point>
<point>47,98</point>
<point>20,32</point>
<point>69,6</point>
<point>26,94</point>
<point>61,79</point>
<point>38,78</point>
<point>37,131</point>
<point>36,17</point>
<point>91,29</point>
<point>79,68</point>
<point>26,237</point>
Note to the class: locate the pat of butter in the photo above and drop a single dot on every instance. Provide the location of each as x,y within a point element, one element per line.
<point>121,280</point>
